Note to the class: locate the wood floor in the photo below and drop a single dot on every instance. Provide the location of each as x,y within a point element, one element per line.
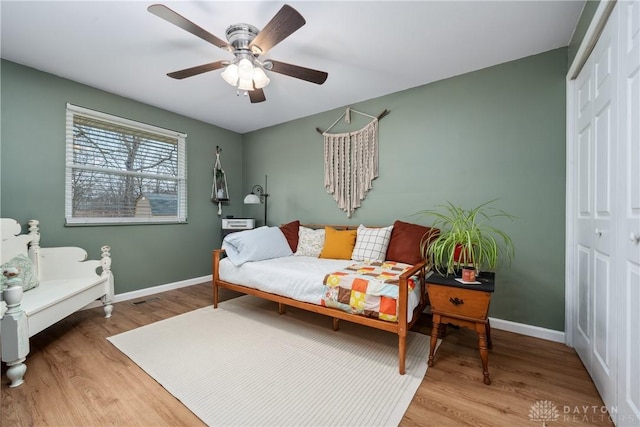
<point>75,377</point>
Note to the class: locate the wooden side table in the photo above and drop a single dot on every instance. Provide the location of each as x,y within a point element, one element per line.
<point>465,306</point>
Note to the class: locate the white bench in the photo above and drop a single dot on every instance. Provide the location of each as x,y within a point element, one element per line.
<point>68,282</point>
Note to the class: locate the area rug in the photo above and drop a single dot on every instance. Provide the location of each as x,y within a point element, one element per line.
<point>243,364</point>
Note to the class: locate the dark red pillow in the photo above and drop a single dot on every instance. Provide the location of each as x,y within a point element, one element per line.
<point>405,242</point>
<point>290,231</point>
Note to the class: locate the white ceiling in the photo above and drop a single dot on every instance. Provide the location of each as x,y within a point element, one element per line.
<point>369,49</point>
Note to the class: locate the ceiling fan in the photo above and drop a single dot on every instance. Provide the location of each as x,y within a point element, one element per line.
<point>245,71</point>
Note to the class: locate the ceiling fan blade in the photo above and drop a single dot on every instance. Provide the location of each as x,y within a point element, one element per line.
<point>281,26</point>
<point>313,76</point>
<point>175,18</point>
<point>193,71</point>
<point>257,95</point>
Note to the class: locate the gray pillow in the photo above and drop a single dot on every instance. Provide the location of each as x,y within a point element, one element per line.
<point>26,272</point>
<point>256,245</point>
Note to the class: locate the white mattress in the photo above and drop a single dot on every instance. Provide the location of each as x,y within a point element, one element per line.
<point>297,277</point>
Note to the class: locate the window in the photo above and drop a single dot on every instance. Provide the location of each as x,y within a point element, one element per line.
<point>122,171</point>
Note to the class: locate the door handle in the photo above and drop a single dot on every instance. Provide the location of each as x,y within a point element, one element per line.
<point>634,237</point>
<point>598,232</point>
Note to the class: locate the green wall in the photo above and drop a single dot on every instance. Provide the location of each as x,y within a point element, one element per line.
<point>494,133</point>
<point>32,179</point>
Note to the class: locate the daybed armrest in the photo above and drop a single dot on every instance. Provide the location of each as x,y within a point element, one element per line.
<point>403,296</point>
<point>420,267</point>
<point>67,262</point>
<point>218,254</point>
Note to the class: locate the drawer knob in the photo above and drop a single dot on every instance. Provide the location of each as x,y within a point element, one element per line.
<point>456,301</point>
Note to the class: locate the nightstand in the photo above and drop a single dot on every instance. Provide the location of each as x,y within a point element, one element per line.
<point>462,305</point>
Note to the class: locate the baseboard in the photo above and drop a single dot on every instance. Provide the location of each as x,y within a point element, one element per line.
<point>523,328</point>
<point>528,330</point>
<point>505,325</point>
<point>154,290</point>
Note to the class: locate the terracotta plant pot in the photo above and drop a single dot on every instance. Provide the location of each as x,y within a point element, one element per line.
<point>468,274</point>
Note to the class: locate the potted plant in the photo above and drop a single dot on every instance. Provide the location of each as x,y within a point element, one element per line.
<point>466,238</point>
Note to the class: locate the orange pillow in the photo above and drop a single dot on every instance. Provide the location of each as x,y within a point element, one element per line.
<point>338,244</point>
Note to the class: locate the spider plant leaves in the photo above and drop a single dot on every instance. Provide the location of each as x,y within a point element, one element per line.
<point>469,232</point>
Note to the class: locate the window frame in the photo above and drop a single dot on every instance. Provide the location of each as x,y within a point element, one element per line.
<point>181,162</point>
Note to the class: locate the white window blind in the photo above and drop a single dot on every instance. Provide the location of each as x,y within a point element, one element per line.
<point>122,171</point>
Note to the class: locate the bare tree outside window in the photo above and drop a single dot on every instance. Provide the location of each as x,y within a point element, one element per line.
<point>123,171</point>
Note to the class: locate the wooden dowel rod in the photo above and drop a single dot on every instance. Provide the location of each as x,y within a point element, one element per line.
<point>385,113</point>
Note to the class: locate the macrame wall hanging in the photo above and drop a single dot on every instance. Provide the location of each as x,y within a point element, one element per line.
<point>351,161</point>
<point>219,190</point>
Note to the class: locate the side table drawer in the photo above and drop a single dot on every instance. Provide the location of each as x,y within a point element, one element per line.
<point>457,301</point>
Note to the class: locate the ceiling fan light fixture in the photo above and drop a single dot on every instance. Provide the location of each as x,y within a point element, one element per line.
<point>260,79</point>
<point>230,74</point>
<point>245,69</point>
<point>245,84</point>
<point>245,74</point>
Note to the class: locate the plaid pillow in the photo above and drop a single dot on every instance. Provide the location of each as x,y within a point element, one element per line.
<point>371,243</point>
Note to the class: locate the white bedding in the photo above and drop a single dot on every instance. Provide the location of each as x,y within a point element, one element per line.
<point>297,277</point>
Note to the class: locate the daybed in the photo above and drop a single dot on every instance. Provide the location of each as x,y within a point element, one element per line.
<point>43,286</point>
<point>315,282</point>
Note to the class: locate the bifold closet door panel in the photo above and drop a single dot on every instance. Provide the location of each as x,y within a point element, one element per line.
<point>583,216</point>
<point>629,215</point>
<point>596,144</point>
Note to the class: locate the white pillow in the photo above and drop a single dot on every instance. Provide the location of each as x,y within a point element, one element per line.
<point>371,243</point>
<point>255,245</point>
<point>310,241</point>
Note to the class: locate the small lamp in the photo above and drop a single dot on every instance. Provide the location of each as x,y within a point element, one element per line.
<point>257,195</point>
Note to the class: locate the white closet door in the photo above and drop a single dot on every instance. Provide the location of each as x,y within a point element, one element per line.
<point>596,231</point>
<point>629,207</point>
<point>604,357</point>
<point>584,212</point>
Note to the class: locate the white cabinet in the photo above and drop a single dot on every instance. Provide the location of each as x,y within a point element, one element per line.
<point>603,213</point>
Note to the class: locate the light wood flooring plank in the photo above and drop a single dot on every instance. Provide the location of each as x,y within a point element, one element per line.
<point>75,377</point>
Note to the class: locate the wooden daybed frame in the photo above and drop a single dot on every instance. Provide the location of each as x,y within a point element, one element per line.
<point>401,327</point>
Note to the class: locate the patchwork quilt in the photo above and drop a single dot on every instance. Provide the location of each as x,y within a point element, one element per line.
<point>370,289</point>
